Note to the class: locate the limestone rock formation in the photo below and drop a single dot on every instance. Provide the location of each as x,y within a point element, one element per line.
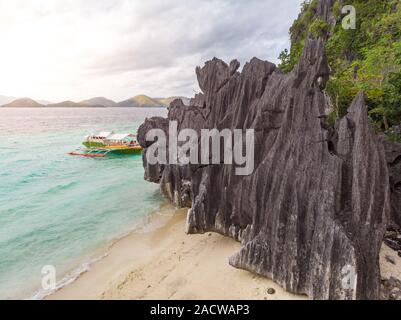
<point>393,156</point>
<point>313,213</point>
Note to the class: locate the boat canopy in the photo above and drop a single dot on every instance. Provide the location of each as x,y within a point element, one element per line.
<point>120,136</point>
<point>104,134</point>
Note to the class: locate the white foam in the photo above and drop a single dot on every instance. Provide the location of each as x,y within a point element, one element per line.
<point>67,280</point>
<point>143,225</point>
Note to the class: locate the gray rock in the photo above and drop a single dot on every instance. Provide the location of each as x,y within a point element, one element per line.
<point>271,291</point>
<point>393,157</point>
<point>313,213</point>
<point>390,259</point>
<point>392,237</point>
<point>391,289</point>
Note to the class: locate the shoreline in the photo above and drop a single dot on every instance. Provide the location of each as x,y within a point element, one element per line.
<point>160,261</point>
<point>85,263</point>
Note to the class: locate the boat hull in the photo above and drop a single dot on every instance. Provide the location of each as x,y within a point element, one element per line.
<point>93,144</point>
<point>116,150</point>
<point>126,151</point>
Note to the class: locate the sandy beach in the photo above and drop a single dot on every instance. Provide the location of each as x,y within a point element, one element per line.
<point>160,261</point>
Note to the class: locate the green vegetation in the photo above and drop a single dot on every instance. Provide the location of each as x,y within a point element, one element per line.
<point>367,58</point>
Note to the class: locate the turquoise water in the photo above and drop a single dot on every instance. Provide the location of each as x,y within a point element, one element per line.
<point>57,209</point>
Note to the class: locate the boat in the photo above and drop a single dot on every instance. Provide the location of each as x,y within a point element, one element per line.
<point>97,140</point>
<point>105,143</point>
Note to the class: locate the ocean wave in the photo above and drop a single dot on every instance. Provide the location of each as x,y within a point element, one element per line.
<point>67,280</point>
<point>62,187</point>
<point>143,225</point>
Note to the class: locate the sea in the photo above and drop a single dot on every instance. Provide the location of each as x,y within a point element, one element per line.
<point>60,212</point>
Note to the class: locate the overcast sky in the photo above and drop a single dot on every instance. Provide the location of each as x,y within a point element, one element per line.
<point>77,49</point>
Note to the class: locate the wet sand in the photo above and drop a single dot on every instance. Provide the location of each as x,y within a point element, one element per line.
<point>160,261</point>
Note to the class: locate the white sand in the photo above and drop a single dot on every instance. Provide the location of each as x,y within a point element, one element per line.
<point>165,263</point>
<point>160,261</point>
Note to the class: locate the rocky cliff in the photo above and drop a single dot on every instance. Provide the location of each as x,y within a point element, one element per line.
<point>393,156</point>
<point>313,213</point>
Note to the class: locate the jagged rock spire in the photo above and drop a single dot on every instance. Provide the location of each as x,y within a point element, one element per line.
<point>313,213</point>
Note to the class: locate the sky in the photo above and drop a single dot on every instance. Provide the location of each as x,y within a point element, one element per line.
<point>78,49</point>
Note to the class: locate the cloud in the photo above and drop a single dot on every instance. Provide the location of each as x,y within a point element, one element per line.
<point>117,48</point>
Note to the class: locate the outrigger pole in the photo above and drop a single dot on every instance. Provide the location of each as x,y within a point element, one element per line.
<point>95,153</point>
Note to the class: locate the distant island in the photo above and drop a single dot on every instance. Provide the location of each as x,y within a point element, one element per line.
<point>140,101</point>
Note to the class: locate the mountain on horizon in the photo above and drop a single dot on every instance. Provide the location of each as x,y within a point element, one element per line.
<point>71,104</point>
<point>139,101</point>
<point>30,103</point>
<point>23,103</point>
<point>99,101</point>
<point>144,101</point>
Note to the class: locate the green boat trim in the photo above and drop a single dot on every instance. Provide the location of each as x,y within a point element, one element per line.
<point>93,144</point>
<point>125,151</point>
<point>110,143</point>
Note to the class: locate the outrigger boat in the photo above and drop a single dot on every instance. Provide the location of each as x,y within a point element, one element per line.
<point>104,143</point>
